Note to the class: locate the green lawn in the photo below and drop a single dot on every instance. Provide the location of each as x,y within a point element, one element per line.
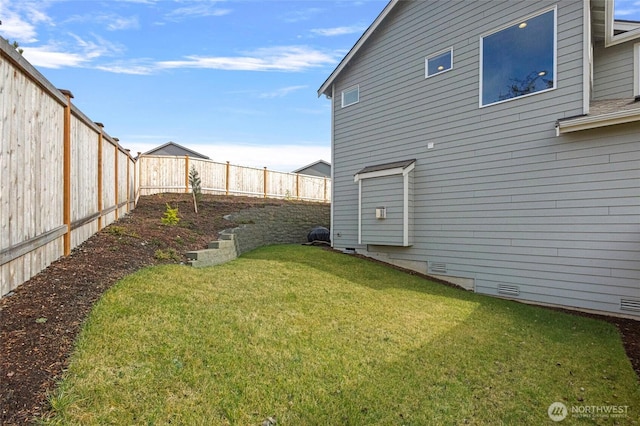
<point>314,337</point>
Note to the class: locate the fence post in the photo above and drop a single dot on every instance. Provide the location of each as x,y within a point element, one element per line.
<point>66,202</point>
<point>325,189</point>
<point>227,180</point>
<point>265,182</point>
<point>100,201</point>
<point>128,177</point>
<point>297,186</point>
<point>186,173</point>
<point>116,177</point>
<point>139,185</point>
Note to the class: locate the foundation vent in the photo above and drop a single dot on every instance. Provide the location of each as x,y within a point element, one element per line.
<point>509,290</point>
<point>630,305</point>
<point>438,267</point>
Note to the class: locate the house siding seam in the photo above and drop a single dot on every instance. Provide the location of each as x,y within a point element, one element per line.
<point>499,198</point>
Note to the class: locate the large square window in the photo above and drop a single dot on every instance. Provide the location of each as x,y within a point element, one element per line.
<point>439,62</point>
<point>519,60</point>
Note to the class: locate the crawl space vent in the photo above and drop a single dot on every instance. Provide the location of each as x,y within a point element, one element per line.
<point>630,305</point>
<point>438,267</point>
<point>509,290</point>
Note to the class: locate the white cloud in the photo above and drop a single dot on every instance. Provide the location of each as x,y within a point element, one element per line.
<point>48,57</point>
<point>116,23</point>
<point>59,56</point>
<point>122,68</point>
<point>198,10</point>
<point>337,31</point>
<point>18,20</point>
<point>95,48</point>
<point>282,92</point>
<point>285,58</point>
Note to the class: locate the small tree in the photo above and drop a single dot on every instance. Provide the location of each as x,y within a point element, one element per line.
<point>196,188</point>
<point>170,216</point>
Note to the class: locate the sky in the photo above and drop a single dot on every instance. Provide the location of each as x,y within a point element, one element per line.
<point>235,80</point>
<point>628,10</point>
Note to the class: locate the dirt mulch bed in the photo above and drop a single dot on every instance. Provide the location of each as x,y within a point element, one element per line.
<point>41,319</point>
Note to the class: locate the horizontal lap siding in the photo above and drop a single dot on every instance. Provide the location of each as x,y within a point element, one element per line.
<point>499,198</point>
<point>613,71</point>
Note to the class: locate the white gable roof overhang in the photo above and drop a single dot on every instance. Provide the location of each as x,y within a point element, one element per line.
<point>326,86</point>
<point>592,122</point>
<point>387,169</point>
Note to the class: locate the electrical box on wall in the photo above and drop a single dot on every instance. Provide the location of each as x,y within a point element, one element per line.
<point>381,212</point>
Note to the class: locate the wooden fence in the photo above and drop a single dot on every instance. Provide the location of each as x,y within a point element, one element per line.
<point>62,178</point>
<point>171,174</point>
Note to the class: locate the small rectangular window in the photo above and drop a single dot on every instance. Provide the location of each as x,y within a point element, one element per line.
<point>519,60</point>
<point>438,63</point>
<point>350,96</point>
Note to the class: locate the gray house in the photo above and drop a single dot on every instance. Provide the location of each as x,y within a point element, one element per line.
<point>174,149</point>
<point>319,168</point>
<point>495,145</point>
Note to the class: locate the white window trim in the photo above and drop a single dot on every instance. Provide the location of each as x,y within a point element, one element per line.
<point>426,63</point>
<point>636,69</point>
<point>396,171</point>
<point>555,54</point>
<point>587,64</point>
<point>350,89</point>
<point>610,25</point>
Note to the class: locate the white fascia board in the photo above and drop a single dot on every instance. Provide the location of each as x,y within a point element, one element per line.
<point>382,173</point>
<point>593,122</point>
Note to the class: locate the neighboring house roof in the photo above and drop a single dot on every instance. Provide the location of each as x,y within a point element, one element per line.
<point>172,148</point>
<point>314,167</point>
<point>326,86</point>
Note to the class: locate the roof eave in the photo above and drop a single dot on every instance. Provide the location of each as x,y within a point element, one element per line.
<point>326,86</point>
<point>593,122</point>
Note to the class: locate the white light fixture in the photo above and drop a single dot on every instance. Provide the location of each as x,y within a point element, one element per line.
<point>522,25</point>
